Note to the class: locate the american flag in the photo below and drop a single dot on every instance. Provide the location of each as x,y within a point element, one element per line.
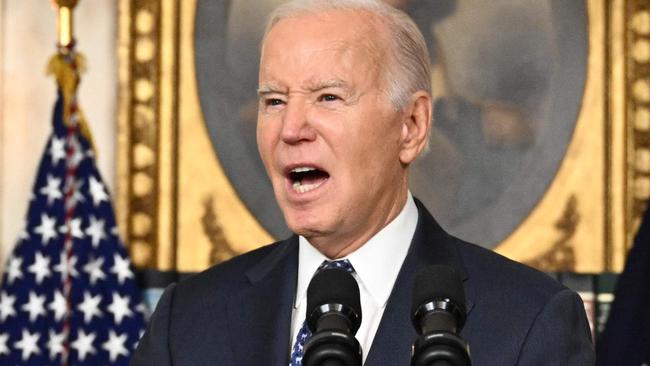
<point>68,294</point>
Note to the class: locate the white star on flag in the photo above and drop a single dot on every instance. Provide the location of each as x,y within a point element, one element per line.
<point>75,225</point>
<point>94,269</point>
<point>55,343</point>
<point>121,268</point>
<point>35,306</point>
<point>51,189</point>
<point>28,344</point>
<point>66,267</point>
<point>58,306</point>
<point>97,191</point>
<point>6,306</point>
<point>4,350</point>
<point>96,231</point>
<point>115,345</point>
<point>84,344</point>
<point>40,268</point>
<point>13,269</point>
<point>47,228</point>
<point>90,306</point>
<point>57,150</point>
<point>120,307</point>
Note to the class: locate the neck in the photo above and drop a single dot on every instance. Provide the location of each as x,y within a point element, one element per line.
<point>344,245</point>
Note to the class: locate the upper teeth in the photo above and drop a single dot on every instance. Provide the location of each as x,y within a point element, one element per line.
<point>299,186</point>
<point>302,169</point>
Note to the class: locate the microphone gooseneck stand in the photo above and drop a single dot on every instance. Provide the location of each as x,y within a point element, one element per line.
<point>334,316</point>
<point>438,316</point>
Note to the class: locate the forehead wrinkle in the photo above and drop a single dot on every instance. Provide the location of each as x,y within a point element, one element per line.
<point>316,84</point>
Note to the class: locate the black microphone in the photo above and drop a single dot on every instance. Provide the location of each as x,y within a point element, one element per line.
<point>438,315</point>
<point>333,316</point>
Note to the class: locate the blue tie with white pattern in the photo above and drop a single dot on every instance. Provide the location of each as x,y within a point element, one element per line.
<point>304,334</point>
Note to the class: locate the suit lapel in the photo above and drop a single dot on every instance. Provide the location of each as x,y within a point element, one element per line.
<point>260,315</point>
<point>395,335</point>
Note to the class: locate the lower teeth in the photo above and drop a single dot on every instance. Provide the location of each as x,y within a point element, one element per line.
<point>302,188</point>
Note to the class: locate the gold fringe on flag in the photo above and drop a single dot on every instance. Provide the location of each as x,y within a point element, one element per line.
<point>67,69</point>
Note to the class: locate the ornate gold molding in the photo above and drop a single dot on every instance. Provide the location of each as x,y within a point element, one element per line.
<point>166,163</point>
<point>220,247</point>
<point>140,127</point>
<point>561,256</point>
<point>638,108</point>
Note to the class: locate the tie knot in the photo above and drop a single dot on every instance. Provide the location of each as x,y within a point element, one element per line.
<point>339,264</point>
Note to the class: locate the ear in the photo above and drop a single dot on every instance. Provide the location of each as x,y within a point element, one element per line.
<point>416,124</point>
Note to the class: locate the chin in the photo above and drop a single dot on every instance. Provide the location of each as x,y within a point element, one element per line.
<point>305,225</point>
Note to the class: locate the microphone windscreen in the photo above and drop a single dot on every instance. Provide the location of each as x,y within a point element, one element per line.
<point>333,286</point>
<point>438,282</point>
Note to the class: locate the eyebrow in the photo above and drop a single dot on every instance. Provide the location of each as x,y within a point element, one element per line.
<point>268,89</point>
<point>312,86</point>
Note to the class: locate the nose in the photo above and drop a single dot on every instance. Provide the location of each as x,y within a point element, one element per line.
<point>296,126</point>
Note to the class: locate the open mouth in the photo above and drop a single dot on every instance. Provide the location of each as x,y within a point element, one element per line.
<point>305,179</point>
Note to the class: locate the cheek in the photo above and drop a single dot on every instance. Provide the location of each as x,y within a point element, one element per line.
<point>377,154</point>
<point>265,148</point>
<point>265,135</point>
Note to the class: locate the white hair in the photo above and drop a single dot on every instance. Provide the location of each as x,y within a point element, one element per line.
<point>408,70</point>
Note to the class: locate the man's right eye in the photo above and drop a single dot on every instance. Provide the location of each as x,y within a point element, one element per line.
<point>273,102</point>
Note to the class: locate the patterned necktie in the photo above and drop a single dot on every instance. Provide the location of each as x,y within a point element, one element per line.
<point>304,334</point>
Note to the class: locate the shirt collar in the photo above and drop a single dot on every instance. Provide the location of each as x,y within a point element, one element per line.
<point>376,263</point>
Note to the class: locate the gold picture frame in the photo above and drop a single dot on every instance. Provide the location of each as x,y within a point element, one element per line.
<point>179,211</point>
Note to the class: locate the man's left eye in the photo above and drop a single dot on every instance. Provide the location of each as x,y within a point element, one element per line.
<point>328,98</point>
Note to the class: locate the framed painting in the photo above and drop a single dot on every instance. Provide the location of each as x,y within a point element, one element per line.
<point>539,148</point>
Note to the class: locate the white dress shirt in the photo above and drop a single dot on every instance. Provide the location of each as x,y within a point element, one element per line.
<point>376,266</point>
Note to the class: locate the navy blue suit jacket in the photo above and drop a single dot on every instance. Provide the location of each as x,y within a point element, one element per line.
<point>239,312</point>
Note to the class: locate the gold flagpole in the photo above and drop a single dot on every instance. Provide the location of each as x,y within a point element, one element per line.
<point>65,24</point>
<point>67,65</point>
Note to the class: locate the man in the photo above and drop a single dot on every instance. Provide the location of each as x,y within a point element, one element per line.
<point>345,108</point>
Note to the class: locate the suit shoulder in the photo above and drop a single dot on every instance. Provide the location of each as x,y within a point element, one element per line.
<point>226,276</point>
<point>500,275</point>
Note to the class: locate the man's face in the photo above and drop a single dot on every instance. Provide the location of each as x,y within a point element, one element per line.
<point>327,133</point>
